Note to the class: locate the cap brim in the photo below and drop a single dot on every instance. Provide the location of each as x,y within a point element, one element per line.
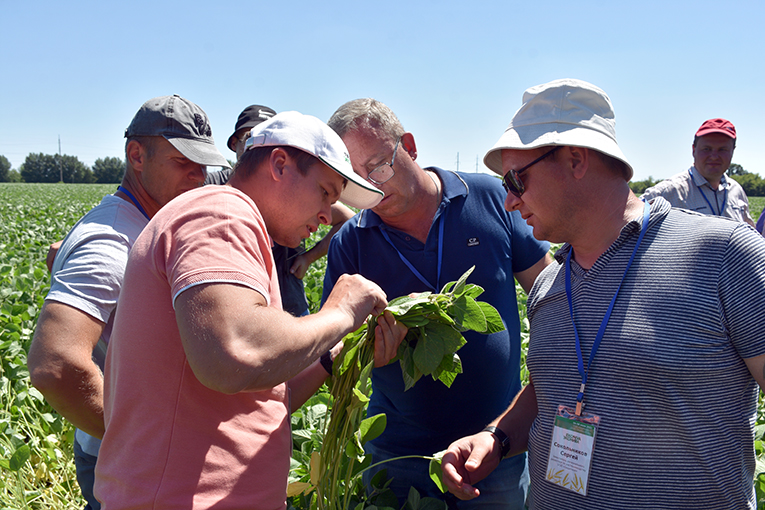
<point>199,152</point>
<point>358,192</point>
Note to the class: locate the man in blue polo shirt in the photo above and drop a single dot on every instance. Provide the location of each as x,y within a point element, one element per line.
<point>430,228</point>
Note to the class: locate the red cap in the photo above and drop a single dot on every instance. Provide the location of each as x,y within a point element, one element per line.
<point>723,126</point>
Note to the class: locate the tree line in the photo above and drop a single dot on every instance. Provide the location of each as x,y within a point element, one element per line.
<point>39,167</point>
<point>52,167</point>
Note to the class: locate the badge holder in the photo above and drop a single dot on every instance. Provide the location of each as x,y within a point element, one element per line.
<point>573,441</point>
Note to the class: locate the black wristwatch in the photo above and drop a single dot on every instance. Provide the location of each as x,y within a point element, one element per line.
<point>327,362</point>
<point>504,441</point>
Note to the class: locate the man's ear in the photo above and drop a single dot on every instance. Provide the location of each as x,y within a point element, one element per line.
<point>579,159</point>
<point>277,163</point>
<point>407,142</point>
<point>136,156</point>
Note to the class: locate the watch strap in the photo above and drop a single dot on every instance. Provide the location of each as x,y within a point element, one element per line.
<point>504,441</point>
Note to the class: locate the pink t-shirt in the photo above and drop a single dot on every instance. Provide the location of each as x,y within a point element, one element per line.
<point>170,441</point>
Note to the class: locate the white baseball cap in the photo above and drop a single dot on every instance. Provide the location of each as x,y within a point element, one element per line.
<point>313,136</point>
<point>561,112</point>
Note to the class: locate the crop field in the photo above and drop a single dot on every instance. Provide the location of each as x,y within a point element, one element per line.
<point>36,464</point>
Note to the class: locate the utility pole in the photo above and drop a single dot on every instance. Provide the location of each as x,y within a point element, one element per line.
<point>458,161</point>
<point>60,168</point>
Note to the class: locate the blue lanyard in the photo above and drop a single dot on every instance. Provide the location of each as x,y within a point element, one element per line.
<point>725,197</point>
<point>582,371</point>
<point>132,199</point>
<point>411,266</point>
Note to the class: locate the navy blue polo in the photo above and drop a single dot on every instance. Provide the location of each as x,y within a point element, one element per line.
<point>477,232</point>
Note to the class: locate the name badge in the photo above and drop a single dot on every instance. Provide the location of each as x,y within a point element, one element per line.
<point>573,441</point>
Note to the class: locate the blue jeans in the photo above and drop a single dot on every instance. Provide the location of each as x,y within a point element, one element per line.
<point>504,489</point>
<point>86,476</point>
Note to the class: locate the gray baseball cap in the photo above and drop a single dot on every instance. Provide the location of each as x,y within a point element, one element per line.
<point>183,124</point>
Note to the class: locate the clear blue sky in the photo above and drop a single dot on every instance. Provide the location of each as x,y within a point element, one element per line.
<point>454,72</point>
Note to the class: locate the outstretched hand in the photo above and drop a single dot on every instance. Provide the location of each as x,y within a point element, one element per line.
<point>468,461</point>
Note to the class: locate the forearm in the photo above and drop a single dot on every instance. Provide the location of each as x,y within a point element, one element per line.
<point>61,366</point>
<point>83,408</point>
<point>305,384</point>
<point>247,346</point>
<point>516,421</point>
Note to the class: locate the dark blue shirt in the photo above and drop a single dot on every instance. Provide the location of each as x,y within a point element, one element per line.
<point>477,232</point>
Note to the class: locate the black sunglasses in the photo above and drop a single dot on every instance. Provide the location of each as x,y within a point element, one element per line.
<point>512,179</point>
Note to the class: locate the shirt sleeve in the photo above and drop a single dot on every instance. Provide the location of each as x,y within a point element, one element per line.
<point>91,277</point>
<point>742,291</point>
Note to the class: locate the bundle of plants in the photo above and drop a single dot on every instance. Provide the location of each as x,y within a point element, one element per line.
<point>436,323</point>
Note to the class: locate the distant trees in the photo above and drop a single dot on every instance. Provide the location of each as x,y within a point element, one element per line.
<point>638,187</point>
<point>50,168</point>
<point>5,169</point>
<point>108,170</point>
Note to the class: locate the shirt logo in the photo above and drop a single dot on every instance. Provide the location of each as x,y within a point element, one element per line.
<point>473,241</point>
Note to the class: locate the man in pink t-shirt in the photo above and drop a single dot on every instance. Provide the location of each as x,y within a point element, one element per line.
<point>204,367</point>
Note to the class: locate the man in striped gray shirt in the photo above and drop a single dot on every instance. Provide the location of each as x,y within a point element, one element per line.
<point>647,338</point>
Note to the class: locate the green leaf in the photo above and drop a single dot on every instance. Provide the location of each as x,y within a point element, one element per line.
<point>435,474</point>
<point>19,457</point>
<point>494,322</point>
<point>473,290</point>
<point>372,427</point>
<point>449,369</point>
<point>451,339</point>
<point>467,313</point>
<point>459,287</point>
<point>413,500</point>
<point>428,353</point>
<point>401,305</point>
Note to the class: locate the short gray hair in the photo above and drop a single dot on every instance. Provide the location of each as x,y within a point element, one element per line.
<point>368,113</point>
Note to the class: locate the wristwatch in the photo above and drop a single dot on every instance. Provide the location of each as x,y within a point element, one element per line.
<point>504,441</point>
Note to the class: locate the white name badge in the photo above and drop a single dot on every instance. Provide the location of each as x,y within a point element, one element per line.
<point>573,441</point>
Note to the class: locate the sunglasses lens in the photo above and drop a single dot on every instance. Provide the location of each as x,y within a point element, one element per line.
<point>510,185</point>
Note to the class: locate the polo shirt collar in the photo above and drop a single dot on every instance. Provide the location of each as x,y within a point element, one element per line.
<point>453,187</point>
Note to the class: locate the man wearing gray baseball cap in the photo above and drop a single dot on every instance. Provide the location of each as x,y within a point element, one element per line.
<point>646,347</point>
<point>168,143</point>
<point>199,390</point>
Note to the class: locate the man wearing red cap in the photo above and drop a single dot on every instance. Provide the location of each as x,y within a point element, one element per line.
<point>704,187</point>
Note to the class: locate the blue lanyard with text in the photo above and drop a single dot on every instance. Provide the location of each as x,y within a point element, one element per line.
<point>132,199</point>
<point>409,264</point>
<point>582,371</point>
<point>725,197</point>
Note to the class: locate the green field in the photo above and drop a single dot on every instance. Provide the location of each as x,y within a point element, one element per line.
<point>756,205</point>
<point>36,466</point>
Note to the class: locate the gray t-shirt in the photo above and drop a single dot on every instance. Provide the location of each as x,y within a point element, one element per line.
<point>88,271</point>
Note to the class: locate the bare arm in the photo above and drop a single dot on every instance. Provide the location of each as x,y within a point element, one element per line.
<point>61,365</point>
<point>340,214</point>
<point>471,459</point>
<point>756,367</point>
<point>389,333</point>
<point>234,342</point>
<point>526,278</point>
<point>51,256</point>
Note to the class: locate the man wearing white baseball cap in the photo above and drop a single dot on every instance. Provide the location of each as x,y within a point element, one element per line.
<point>646,348</point>
<point>204,367</point>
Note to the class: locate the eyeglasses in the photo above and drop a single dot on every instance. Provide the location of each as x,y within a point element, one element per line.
<point>512,180</point>
<point>384,172</point>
